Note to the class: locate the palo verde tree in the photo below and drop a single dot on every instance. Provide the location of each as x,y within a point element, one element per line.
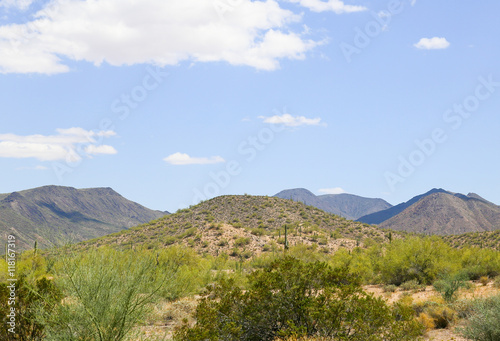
<point>107,293</point>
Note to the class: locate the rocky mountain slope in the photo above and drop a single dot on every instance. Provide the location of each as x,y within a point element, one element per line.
<point>58,215</point>
<point>439,212</point>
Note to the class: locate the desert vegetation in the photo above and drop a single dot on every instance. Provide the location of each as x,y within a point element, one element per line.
<point>255,268</point>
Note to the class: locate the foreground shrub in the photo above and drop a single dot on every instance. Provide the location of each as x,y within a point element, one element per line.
<point>484,322</point>
<point>448,285</point>
<point>290,298</point>
<point>31,298</point>
<point>106,294</point>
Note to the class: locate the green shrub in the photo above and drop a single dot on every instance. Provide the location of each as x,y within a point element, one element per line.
<point>389,288</point>
<point>107,294</point>
<point>242,241</point>
<point>412,285</point>
<point>448,285</point>
<point>33,298</point>
<point>484,323</point>
<point>496,282</point>
<point>293,298</point>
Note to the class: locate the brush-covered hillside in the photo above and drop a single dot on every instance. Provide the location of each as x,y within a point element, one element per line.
<point>490,239</point>
<point>246,226</point>
<point>58,215</point>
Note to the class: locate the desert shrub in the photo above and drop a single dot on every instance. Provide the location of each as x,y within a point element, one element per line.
<point>242,241</point>
<point>484,322</point>
<point>414,258</point>
<point>107,293</point>
<point>448,285</point>
<point>412,285</point>
<point>33,297</point>
<point>484,280</point>
<point>463,307</point>
<point>187,273</point>
<point>293,298</point>
<point>389,288</point>
<point>426,321</point>
<point>441,315</point>
<point>496,282</point>
<point>478,262</point>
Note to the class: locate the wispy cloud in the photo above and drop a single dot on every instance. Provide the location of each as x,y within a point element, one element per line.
<point>181,159</point>
<point>292,121</point>
<point>336,6</point>
<point>38,168</point>
<point>435,43</point>
<point>55,147</point>
<point>335,190</point>
<point>18,4</point>
<point>251,33</point>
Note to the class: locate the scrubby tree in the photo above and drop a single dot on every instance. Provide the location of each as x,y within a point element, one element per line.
<point>106,294</point>
<point>293,298</point>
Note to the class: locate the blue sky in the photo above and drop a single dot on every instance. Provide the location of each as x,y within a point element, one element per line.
<point>171,102</point>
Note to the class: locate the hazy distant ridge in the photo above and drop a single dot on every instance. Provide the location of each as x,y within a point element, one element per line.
<point>346,205</point>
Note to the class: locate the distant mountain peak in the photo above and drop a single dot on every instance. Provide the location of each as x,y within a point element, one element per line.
<point>439,212</point>
<point>349,206</point>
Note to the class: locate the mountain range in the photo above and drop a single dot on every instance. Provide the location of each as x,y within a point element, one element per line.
<point>345,205</point>
<point>439,212</point>
<point>435,212</point>
<point>57,215</point>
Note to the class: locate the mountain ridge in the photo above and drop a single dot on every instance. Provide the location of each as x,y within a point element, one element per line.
<point>439,212</point>
<point>57,214</point>
<point>346,205</point>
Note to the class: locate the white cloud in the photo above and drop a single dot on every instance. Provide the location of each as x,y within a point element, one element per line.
<point>18,4</point>
<point>102,149</point>
<point>435,43</point>
<point>70,142</point>
<point>413,2</point>
<point>159,32</point>
<point>291,121</point>
<point>335,190</point>
<point>336,6</point>
<point>179,159</point>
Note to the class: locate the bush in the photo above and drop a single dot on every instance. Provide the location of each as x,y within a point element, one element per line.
<point>107,294</point>
<point>293,298</point>
<point>484,323</point>
<point>412,285</point>
<point>414,258</point>
<point>41,296</point>
<point>389,288</point>
<point>448,285</point>
<point>484,280</point>
<point>242,241</point>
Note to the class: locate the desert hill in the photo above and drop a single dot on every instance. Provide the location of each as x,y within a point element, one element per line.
<point>58,215</point>
<point>244,225</point>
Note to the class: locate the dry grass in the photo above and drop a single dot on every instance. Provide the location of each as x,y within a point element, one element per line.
<point>166,316</point>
